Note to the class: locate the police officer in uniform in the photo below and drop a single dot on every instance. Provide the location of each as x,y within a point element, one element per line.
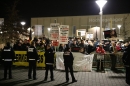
<point>32,57</point>
<point>8,56</point>
<point>49,62</point>
<point>68,63</point>
<point>126,61</point>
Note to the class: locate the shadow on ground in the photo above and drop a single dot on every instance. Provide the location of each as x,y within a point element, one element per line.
<point>63,84</point>
<point>3,83</point>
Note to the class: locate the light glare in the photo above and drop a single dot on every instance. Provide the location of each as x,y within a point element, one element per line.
<point>101,3</point>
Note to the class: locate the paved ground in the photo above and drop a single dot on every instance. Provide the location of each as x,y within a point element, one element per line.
<point>93,78</point>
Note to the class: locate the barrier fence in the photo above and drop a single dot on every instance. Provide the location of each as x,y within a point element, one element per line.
<point>21,59</point>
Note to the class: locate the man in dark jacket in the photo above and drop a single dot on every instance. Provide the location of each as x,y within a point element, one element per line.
<point>32,57</point>
<point>49,62</point>
<point>8,56</point>
<point>68,63</point>
<point>126,61</point>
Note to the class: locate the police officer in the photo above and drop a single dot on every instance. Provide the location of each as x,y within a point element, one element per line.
<point>68,63</point>
<point>126,61</point>
<point>8,56</point>
<point>49,62</point>
<point>32,57</point>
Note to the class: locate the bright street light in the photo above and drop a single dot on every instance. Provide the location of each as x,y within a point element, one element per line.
<point>119,26</point>
<point>29,29</point>
<point>101,3</point>
<point>49,32</point>
<point>23,23</point>
<point>49,29</point>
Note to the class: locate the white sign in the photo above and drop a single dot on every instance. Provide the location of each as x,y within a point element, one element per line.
<point>82,62</point>
<point>38,30</point>
<point>90,36</point>
<point>64,33</point>
<point>54,32</point>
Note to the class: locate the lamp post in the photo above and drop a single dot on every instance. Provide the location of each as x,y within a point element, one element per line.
<point>23,23</point>
<point>101,3</point>
<point>119,26</point>
<point>96,38</point>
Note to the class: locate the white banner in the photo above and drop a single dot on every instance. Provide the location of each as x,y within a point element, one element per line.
<point>54,32</point>
<point>82,62</point>
<point>38,30</point>
<point>64,33</point>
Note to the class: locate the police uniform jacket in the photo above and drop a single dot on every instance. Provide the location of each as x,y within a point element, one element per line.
<point>68,58</point>
<point>32,53</point>
<point>126,56</point>
<point>8,54</point>
<point>49,56</point>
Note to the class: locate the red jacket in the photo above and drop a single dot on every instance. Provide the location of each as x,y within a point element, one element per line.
<point>118,48</point>
<point>100,50</point>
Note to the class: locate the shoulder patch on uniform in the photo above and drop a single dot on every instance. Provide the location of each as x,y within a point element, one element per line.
<point>30,49</point>
<point>7,49</point>
<point>67,53</point>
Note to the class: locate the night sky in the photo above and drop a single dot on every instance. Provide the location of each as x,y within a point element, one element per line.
<point>48,8</point>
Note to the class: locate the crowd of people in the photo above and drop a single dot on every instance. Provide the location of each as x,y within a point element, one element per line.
<point>84,46</point>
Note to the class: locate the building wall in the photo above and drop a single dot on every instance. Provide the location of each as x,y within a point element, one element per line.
<point>87,22</point>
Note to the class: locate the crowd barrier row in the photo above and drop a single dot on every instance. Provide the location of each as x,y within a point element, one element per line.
<point>82,62</point>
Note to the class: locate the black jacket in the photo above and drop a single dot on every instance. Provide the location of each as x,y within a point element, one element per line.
<point>8,53</point>
<point>68,58</point>
<point>90,49</point>
<point>49,56</point>
<point>126,56</point>
<point>32,53</point>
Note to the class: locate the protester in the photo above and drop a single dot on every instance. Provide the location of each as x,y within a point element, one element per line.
<point>90,47</point>
<point>100,57</point>
<point>113,52</point>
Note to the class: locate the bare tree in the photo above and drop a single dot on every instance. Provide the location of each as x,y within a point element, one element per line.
<point>124,26</point>
<point>11,29</point>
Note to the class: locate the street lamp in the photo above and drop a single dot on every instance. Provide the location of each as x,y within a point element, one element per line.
<point>119,26</point>
<point>101,3</point>
<point>23,23</point>
<point>96,33</point>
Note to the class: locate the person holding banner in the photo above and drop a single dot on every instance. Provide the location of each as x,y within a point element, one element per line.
<point>49,62</point>
<point>68,63</point>
<point>8,56</point>
<point>113,54</point>
<point>32,57</point>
